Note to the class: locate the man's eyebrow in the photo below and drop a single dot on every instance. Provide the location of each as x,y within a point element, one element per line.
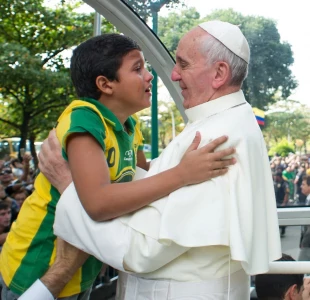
<point>180,59</point>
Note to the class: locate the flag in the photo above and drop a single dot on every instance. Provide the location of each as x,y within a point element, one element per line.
<point>260,116</point>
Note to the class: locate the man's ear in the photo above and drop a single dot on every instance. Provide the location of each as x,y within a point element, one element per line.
<point>104,85</point>
<point>222,74</point>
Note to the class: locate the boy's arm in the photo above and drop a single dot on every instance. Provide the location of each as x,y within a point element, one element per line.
<point>90,172</point>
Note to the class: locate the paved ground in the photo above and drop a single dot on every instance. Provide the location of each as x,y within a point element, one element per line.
<point>290,242</point>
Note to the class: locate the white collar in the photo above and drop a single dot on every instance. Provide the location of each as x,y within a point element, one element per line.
<point>215,106</point>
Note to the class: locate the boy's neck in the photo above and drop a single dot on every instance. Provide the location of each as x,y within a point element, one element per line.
<point>117,109</point>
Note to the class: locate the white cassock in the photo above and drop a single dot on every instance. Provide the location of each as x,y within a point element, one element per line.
<point>201,241</point>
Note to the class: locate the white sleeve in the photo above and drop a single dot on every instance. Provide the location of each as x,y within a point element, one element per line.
<point>38,291</point>
<point>109,241</point>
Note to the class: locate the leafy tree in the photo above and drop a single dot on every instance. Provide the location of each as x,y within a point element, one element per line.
<point>146,7</point>
<point>283,149</point>
<point>169,122</point>
<point>34,78</point>
<point>173,27</point>
<point>288,119</point>
<point>270,77</point>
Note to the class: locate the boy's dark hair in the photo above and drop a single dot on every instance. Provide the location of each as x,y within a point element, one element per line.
<point>4,205</point>
<point>307,179</point>
<point>275,286</point>
<point>100,55</point>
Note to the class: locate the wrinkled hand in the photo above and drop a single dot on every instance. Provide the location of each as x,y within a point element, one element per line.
<point>52,164</point>
<point>198,165</point>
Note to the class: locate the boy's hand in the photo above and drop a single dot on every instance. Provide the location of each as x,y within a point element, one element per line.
<point>52,164</point>
<point>198,165</point>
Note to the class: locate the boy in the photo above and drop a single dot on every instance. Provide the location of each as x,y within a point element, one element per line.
<point>101,141</point>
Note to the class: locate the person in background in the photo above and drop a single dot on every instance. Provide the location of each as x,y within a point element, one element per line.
<point>14,207</point>
<point>6,176</point>
<point>304,251</point>
<point>282,191</point>
<point>5,221</point>
<point>20,196</point>
<point>289,175</point>
<point>301,198</point>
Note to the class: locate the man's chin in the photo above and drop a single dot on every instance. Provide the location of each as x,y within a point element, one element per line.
<point>185,104</point>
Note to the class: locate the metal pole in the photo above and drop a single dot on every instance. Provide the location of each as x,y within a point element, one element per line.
<point>154,110</point>
<point>97,24</point>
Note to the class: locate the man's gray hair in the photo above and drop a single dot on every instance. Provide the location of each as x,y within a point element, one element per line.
<point>215,51</point>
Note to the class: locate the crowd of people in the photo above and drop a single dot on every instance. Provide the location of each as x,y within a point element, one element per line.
<point>16,184</point>
<point>288,173</point>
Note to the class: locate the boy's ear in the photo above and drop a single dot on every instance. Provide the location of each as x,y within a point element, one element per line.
<point>221,75</point>
<point>104,85</point>
<point>292,292</point>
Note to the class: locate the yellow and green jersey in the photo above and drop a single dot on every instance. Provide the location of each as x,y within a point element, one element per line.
<point>30,246</point>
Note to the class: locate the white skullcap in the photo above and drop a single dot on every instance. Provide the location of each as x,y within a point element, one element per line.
<point>230,35</point>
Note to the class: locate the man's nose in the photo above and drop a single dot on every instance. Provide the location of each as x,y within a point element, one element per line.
<point>175,76</point>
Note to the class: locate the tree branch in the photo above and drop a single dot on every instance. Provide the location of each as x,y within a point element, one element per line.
<point>44,61</point>
<point>10,123</point>
<point>46,108</point>
<point>10,92</point>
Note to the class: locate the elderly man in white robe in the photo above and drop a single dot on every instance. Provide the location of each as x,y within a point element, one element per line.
<point>202,241</point>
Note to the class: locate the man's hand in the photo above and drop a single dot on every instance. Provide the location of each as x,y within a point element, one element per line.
<point>68,260</point>
<point>52,164</point>
<point>198,165</point>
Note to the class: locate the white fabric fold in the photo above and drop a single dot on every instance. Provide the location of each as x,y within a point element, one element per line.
<point>73,225</point>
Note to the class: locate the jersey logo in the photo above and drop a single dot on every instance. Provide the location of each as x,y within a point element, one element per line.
<point>128,155</point>
<point>111,157</point>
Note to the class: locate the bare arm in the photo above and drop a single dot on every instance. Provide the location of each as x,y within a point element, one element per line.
<point>68,260</point>
<point>26,159</point>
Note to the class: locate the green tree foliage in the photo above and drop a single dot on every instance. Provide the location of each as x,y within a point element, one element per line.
<point>173,27</point>
<point>270,77</point>
<point>289,120</point>
<point>35,84</point>
<point>283,149</point>
<point>145,7</point>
